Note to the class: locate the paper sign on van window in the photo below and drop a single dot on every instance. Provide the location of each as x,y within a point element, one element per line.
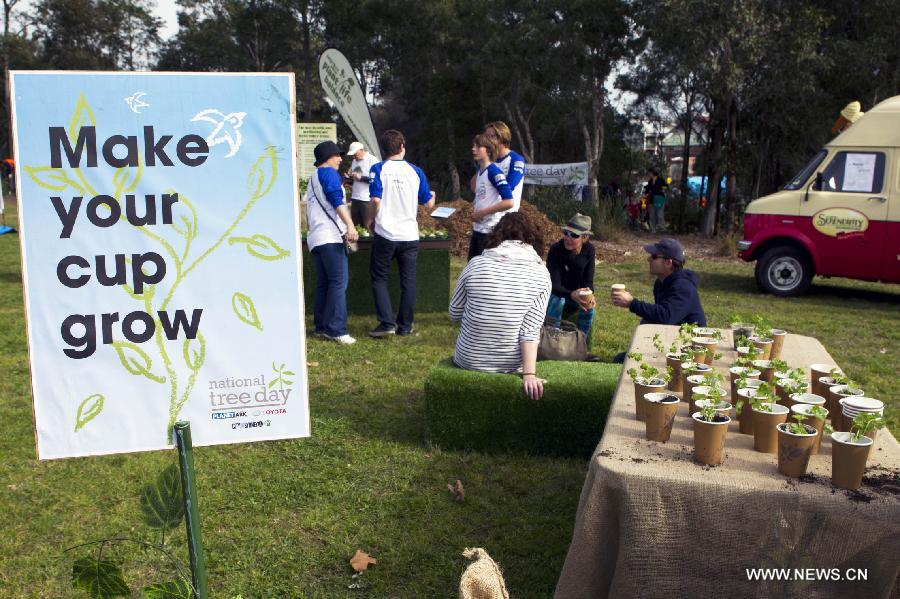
<point>840,222</point>
<point>859,172</point>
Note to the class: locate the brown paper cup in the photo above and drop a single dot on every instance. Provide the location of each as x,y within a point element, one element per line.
<point>778,336</point>
<point>848,460</point>
<point>692,401</point>
<point>640,404</point>
<point>765,345</point>
<point>735,372</point>
<point>835,394</point>
<point>660,416</point>
<point>767,371</point>
<point>709,440</point>
<point>745,418</point>
<point>676,383</point>
<point>794,451</point>
<point>765,435</point>
<point>817,371</point>
<point>812,421</point>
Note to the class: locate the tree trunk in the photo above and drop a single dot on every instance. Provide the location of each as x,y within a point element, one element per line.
<point>731,170</point>
<point>718,124</point>
<point>307,62</point>
<point>451,163</point>
<point>685,160</point>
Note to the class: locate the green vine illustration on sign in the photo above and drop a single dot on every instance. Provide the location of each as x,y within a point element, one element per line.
<point>162,368</point>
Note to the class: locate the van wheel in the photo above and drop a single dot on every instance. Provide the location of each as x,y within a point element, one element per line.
<point>784,271</point>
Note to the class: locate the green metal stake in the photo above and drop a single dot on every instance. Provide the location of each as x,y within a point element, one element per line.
<point>191,511</point>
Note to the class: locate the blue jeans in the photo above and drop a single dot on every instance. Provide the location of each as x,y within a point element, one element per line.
<point>332,275</point>
<point>560,306</point>
<point>383,252</point>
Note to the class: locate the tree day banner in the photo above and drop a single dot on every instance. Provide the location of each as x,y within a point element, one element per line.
<point>161,262</point>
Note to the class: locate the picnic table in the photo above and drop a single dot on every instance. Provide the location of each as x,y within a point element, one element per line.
<point>651,522</point>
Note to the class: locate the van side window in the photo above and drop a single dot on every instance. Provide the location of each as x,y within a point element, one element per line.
<point>855,172</point>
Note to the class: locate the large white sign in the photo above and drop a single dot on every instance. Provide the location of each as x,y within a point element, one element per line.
<point>573,173</point>
<point>161,258</point>
<point>342,88</point>
<point>309,135</point>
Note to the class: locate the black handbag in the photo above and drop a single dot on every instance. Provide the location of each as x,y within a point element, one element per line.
<point>565,342</point>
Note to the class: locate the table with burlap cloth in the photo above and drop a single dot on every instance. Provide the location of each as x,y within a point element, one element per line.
<point>653,523</point>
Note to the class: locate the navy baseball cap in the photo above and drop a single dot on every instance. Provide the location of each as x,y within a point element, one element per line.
<point>669,248</point>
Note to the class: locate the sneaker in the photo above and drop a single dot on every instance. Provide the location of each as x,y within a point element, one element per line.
<point>342,339</point>
<point>382,330</point>
<point>320,335</point>
<point>404,333</point>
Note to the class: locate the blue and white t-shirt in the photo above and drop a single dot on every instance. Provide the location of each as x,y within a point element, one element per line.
<point>513,166</point>
<point>402,187</point>
<point>490,187</point>
<point>325,184</point>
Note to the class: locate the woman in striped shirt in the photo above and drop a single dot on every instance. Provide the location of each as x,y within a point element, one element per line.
<point>500,300</point>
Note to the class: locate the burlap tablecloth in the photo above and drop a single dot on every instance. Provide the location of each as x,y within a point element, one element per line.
<point>653,523</point>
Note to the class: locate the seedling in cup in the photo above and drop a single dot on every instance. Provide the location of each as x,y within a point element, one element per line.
<point>864,423</point>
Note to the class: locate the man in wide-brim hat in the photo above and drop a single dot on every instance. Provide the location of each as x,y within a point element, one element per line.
<point>571,265</point>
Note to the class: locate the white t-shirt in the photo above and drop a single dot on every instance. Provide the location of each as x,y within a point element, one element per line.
<point>360,190</point>
<point>490,188</point>
<point>325,184</point>
<point>402,187</point>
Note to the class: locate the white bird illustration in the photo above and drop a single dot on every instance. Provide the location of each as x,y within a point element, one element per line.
<point>225,130</point>
<point>134,102</point>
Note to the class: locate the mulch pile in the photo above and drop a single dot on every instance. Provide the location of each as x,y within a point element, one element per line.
<point>460,224</point>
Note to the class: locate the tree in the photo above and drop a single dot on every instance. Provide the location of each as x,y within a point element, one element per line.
<point>95,34</point>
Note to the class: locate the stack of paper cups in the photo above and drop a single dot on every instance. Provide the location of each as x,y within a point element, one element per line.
<point>851,407</point>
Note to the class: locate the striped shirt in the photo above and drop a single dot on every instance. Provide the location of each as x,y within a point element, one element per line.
<point>501,300</point>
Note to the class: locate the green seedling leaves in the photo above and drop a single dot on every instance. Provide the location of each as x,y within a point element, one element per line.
<point>261,247</point>
<point>245,310</point>
<point>99,577</point>
<point>174,589</point>
<point>162,504</point>
<point>88,409</point>
<point>136,361</point>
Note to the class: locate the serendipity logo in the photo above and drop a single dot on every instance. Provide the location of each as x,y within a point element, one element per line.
<point>840,222</point>
<point>231,397</point>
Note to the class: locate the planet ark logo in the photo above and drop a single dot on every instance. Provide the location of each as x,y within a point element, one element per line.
<point>231,396</point>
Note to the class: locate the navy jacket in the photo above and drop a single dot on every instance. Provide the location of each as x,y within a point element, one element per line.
<point>676,301</point>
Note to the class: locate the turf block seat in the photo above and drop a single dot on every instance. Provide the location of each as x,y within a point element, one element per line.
<point>482,411</point>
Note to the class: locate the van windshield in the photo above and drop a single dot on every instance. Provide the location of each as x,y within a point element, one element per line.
<point>803,176</point>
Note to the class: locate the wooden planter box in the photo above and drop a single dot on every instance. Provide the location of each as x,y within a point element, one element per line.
<point>432,279</point>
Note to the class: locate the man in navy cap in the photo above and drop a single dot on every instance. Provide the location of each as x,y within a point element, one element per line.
<point>675,296</point>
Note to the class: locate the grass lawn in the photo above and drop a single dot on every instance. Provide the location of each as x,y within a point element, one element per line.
<point>282,519</point>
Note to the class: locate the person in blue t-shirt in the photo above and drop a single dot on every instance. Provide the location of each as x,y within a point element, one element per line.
<point>493,197</point>
<point>329,222</point>
<point>510,162</point>
<point>397,188</point>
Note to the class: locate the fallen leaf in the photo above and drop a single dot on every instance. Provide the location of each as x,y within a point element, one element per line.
<point>459,494</point>
<point>361,561</point>
<point>370,362</point>
<point>883,350</point>
<point>312,364</point>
